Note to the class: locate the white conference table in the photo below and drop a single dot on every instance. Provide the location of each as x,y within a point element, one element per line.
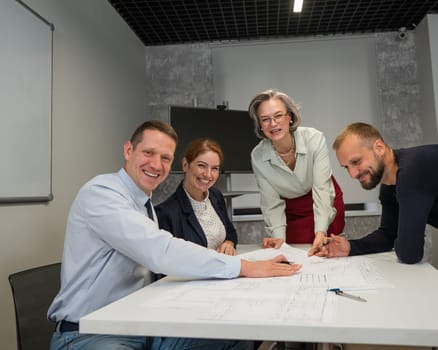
<point>404,315</point>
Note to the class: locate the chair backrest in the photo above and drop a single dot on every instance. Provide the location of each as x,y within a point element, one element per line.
<point>33,290</point>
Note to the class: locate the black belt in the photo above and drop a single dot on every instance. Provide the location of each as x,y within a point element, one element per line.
<point>66,326</point>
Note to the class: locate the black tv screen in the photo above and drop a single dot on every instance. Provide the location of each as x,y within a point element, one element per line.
<point>232,129</point>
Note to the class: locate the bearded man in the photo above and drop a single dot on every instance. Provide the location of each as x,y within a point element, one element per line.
<point>408,179</point>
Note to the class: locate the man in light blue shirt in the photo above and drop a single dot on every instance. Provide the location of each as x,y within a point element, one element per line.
<point>110,244</point>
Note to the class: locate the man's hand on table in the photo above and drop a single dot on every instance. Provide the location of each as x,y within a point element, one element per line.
<point>278,266</point>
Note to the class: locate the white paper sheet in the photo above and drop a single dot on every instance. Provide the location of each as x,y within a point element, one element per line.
<point>357,272</point>
<point>302,297</point>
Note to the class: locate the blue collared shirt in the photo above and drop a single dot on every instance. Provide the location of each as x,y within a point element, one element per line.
<point>109,240</point>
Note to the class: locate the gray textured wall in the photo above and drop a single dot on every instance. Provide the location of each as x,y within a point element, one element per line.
<point>176,74</point>
<point>399,90</point>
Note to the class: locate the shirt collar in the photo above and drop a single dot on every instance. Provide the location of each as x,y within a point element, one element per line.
<point>139,196</point>
<point>269,151</point>
<point>192,199</point>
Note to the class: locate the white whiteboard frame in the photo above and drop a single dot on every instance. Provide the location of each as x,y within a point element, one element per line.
<point>27,127</point>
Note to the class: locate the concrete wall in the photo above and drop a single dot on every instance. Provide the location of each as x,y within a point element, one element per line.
<point>98,100</point>
<point>399,90</point>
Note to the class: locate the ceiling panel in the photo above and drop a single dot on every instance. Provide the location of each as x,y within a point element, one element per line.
<point>163,22</point>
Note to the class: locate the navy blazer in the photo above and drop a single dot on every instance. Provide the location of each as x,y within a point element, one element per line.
<point>176,215</point>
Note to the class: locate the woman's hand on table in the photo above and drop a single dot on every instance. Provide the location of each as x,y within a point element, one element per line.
<point>227,247</point>
<point>272,242</point>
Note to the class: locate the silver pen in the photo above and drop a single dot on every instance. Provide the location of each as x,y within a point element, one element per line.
<point>340,292</point>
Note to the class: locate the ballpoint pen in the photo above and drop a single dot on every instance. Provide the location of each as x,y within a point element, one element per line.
<point>340,292</point>
<point>326,243</point>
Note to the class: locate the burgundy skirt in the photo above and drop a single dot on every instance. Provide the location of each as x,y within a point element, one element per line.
<point>300,221</point>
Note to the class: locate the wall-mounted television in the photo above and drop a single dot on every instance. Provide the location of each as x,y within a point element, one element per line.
<point>232,129</point>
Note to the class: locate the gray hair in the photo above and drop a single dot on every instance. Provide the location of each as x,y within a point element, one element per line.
<point>291,107</point>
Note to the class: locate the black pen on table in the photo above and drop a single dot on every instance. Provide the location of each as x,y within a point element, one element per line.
<point>329,239</point>
<point>287,262</point>
<point>327,242</point>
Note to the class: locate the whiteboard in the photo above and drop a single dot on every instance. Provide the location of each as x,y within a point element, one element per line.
<point>334,80</point>
<point>25,104</point>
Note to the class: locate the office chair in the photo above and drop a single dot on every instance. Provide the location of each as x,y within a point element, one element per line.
<point>33,290</point>
<point>281,345</point>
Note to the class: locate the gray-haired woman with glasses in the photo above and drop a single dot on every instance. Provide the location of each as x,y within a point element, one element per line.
<point>300,199</point>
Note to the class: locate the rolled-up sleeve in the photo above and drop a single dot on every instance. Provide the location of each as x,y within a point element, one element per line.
<point>323,191</point>
<point>271,205</point>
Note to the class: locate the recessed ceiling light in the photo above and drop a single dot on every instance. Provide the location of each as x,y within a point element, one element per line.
<point>298,5</point>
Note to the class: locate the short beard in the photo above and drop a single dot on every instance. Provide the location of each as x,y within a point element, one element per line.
<point>375,177</point>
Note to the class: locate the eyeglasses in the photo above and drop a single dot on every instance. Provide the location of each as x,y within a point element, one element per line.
<point>276,118</point>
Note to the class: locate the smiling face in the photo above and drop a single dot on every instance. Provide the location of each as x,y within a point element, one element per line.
<point>274,119</point>
<point>201,174</point>
<point>362,161</point>
<point>148,164</point>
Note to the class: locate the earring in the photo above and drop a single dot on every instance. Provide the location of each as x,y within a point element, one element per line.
<point>290,122</point>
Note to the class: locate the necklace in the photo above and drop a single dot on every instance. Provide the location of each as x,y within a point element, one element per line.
<point>288,157</point>
<point>289,151</point>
